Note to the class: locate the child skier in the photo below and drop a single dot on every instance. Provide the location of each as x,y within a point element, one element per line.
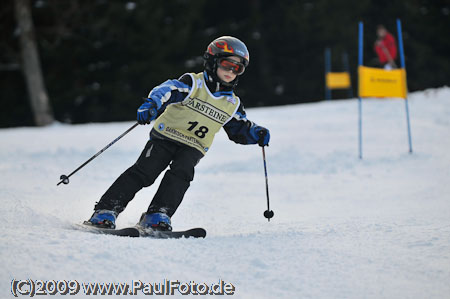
<point>188,112</point>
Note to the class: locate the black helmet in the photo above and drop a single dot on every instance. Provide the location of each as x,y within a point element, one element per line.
<point>222,47</point>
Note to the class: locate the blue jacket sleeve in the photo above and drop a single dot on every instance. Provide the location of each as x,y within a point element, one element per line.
<point>171,91</point>
<point>241,130</point>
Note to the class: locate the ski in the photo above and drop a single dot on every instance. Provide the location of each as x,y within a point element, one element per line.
<point>137,231</point>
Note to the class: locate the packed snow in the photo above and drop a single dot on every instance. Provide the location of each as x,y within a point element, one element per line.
<point>343,227</point>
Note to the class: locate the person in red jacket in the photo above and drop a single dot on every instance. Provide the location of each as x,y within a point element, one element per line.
<point>386,48</point>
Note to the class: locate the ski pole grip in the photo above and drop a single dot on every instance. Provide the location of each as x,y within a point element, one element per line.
<point>262,133</point>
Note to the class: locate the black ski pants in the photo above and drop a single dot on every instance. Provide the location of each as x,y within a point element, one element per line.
<point>156,156</point>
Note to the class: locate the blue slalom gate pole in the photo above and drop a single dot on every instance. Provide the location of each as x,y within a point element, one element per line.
<point>347,69</point>
<point>402,62</point>
<point>360,62</point>
<point>327,70</point>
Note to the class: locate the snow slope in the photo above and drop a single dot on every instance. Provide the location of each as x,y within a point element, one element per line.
<point>343,228</point>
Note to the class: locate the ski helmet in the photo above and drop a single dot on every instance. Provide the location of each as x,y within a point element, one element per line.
<point>222,47</point>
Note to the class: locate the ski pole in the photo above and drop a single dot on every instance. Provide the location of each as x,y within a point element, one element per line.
<point>65,178</point>
<point>268,213</point>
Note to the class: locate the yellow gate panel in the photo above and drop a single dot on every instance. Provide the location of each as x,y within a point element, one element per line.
<point>376,82</point>
<point>338,80</point>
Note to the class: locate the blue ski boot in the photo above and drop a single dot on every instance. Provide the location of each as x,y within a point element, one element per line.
<point>157,221</point>
<point>103,219</point>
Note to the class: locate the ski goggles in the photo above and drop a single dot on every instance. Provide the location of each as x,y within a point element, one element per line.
<point>231,65</point>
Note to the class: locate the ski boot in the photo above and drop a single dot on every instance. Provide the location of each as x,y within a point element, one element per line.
<point>103,219</point>
<point>156,221</point>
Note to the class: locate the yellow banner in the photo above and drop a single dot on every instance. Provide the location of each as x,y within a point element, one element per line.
<point>338,80</point>
<point>381,83</point>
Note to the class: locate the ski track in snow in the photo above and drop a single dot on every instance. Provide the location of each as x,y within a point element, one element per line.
<point>343,228</point>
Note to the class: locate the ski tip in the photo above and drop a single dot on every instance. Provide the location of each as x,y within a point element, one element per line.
<point>197,232</point>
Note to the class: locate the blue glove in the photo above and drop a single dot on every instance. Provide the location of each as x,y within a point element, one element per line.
<point>147,112</point>
<point>261,134</point>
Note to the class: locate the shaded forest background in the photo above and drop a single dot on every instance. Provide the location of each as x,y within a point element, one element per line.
<point>99,57</point>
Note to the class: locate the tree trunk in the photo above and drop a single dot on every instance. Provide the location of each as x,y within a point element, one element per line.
<point>31,67</point>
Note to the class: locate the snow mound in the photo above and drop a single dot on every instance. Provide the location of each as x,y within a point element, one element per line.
<point>343,228</point>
